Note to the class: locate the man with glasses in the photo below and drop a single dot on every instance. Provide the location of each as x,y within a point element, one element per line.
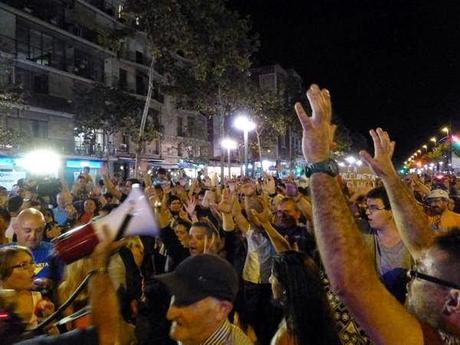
<point>433,309</point>
<point>392,259</point>
<point>441,218</point>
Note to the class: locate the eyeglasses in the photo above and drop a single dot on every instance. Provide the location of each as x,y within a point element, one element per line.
<point>413,273</point>
<point>24,266</point>
<point>374,208</point>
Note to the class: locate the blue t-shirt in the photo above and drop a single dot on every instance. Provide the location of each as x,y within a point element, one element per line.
<point>60,216</point>
<point>46,264</point>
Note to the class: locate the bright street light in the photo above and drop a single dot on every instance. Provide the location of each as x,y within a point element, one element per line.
<point>445,129</point>
<point>41,162</point>
<point>433,139</point>
<point>425,147</point>
<point>243,123</point>
<point>228,144</point>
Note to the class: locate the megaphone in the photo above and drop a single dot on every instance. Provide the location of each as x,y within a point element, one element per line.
<point>133,217</point>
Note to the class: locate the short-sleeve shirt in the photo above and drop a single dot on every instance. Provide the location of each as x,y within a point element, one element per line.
<point>46,264</point>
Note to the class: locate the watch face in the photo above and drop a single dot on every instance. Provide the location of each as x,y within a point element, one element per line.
<point>333,167</point>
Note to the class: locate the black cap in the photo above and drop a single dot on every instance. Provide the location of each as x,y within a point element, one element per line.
<point>201,276</point>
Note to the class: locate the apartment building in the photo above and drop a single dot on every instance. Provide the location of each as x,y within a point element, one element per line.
<point>57,46</point>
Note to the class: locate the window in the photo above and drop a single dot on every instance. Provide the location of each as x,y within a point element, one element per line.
<point>267,81</point>
<point>139,57</point>
<point>39,129</point>
<point>190,126</point>
<point>180,127</point>
<point>41,84</point>
<point>123,80</point>
<point>140,85</point>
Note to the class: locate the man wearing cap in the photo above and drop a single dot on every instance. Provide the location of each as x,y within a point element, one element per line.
<point>440,217</point>
<point>203,289</point>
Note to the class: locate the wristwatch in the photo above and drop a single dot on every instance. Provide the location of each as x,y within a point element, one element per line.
<point>329,166</point>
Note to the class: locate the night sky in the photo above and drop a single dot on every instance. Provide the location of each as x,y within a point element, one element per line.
<point>394,64</point>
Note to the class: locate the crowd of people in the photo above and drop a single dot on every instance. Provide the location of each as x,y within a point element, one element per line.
<point>243,260</point>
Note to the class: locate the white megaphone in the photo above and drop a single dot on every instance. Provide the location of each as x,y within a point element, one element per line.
<point>133,217</point>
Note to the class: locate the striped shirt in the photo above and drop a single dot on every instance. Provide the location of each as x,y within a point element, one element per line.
<point>228,334</point>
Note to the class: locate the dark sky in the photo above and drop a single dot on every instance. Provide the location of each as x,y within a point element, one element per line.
<point>394,64</point>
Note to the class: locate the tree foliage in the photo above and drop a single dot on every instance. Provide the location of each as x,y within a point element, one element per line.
<point>110,110</point>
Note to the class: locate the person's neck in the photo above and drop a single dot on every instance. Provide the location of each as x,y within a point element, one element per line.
<point>203,337</point>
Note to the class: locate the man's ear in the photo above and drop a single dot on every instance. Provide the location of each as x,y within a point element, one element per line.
<point>225,308</point>
<point>452,304</point>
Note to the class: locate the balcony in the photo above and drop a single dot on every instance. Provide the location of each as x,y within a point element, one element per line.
<point>50,102</point>
<point>50,11</point>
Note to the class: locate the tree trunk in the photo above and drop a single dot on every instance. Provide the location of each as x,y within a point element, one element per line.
<point>259,147</point>
<point>221,134</point>
<point>143,120</point>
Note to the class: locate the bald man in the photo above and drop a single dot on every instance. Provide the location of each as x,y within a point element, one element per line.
<point>29,230</point>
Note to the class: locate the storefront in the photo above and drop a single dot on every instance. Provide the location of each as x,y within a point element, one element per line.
<point>74,167</point>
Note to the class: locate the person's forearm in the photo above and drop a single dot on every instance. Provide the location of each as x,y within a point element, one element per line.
<point>340,243</point>
<point>410,218</point>
<point>104,308</point>
<point>227,222</point>
<point>279,242</point>
<point>111,188</point>
<point>147,180</point>
<point>241,222</point>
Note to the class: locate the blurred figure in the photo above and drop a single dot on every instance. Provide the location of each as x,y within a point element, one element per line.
<point>298,291</point>
<point>17,273</point>
<point>440,217</point>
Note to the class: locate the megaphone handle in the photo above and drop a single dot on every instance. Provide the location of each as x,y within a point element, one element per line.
<point>123,227</point>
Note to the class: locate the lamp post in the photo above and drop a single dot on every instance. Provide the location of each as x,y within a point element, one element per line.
<point>243,123</point>
<point>449,147</point>
<point>228,144</point>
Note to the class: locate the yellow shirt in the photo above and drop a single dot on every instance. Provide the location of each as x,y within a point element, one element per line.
<point>446,221</point>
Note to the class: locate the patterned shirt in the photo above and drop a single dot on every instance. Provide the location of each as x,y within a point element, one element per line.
<point>228,334</point>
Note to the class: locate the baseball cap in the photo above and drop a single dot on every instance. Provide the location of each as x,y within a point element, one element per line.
<point>201,276</point>
<point>438,193</point>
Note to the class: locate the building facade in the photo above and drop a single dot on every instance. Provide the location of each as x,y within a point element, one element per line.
<point>58,46</point>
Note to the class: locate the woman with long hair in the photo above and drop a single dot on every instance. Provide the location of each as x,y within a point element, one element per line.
<point>298,290</point>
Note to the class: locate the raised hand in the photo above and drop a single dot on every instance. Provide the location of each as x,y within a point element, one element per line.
<point>226,202</point>
<point>264,217</point>
<point>318,132</point>
<point>190,206</point>
<point>381,163</point>
<point>269,185</point>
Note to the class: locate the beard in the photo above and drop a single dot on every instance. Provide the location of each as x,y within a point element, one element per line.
<point>436,210</point>
<point>285,222</point>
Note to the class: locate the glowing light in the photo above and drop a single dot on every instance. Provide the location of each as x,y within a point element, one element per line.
<point>41,162</point>
<point>228,144</point>
<point>243,123</point>
<point>350,159</point>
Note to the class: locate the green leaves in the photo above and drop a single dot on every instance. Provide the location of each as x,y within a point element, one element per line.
<point>106,109</point>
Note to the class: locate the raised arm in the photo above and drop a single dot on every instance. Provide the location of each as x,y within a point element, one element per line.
<point>347,261</point>
<point>410,218</point>
<point>110,186</point>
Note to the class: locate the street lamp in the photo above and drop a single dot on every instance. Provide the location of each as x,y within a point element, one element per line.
<point>433,140</point>
<point>425,147</point>
<point>228,144</point>
<point>446,130</point>
<point>243,123</point>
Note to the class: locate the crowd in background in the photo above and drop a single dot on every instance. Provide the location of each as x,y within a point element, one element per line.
<point>246,246</point>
